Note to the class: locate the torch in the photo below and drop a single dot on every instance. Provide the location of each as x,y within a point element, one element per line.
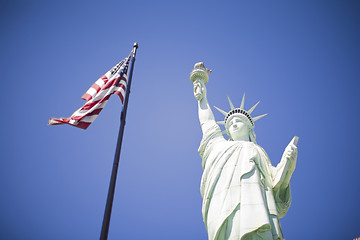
<point>199,77</point>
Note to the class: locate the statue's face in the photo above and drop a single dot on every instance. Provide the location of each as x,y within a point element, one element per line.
<point>238,128</point>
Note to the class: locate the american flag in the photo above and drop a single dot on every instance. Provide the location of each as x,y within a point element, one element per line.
<point>113,82</point>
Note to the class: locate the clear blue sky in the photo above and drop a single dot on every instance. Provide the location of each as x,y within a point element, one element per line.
<point>300,58</point>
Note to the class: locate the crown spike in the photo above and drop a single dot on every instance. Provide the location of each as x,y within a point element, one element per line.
<point>242,102</point>
<point>221,122</point>
<point>231,105</point>
<point>220,110</point>
<point>258,117</point>
<point>252,109</point>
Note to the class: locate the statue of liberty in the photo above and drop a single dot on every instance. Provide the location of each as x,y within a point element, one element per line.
<point>243,194</point>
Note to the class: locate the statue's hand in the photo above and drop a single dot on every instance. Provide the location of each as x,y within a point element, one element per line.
<point>199,90</point>
<point>287,165</point>
<point>290,154</point>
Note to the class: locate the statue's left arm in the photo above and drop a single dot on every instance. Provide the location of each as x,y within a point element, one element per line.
<point>281,175</point>
<point>284,170</point>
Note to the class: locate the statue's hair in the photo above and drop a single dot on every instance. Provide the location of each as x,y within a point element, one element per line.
<point>252,136</point>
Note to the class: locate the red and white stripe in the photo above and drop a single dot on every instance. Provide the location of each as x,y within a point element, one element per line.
<point>97,97</point>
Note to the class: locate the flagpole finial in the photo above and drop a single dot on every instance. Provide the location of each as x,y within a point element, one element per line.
<point>136,45</point>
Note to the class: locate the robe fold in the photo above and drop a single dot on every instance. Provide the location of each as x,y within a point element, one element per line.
<point>237,186</point>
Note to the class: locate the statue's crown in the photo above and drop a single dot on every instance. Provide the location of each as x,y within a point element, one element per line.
<point>241,111</point>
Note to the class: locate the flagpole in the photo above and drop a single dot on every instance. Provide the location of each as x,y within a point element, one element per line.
<point>110,197</point>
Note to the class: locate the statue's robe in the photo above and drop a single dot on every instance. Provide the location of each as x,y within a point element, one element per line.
<point>241,197</point>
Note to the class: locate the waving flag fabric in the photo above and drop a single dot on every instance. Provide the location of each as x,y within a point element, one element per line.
<point>113,82</point>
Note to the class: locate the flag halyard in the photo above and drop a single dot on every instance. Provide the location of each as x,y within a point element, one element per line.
<point>113,82</point>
